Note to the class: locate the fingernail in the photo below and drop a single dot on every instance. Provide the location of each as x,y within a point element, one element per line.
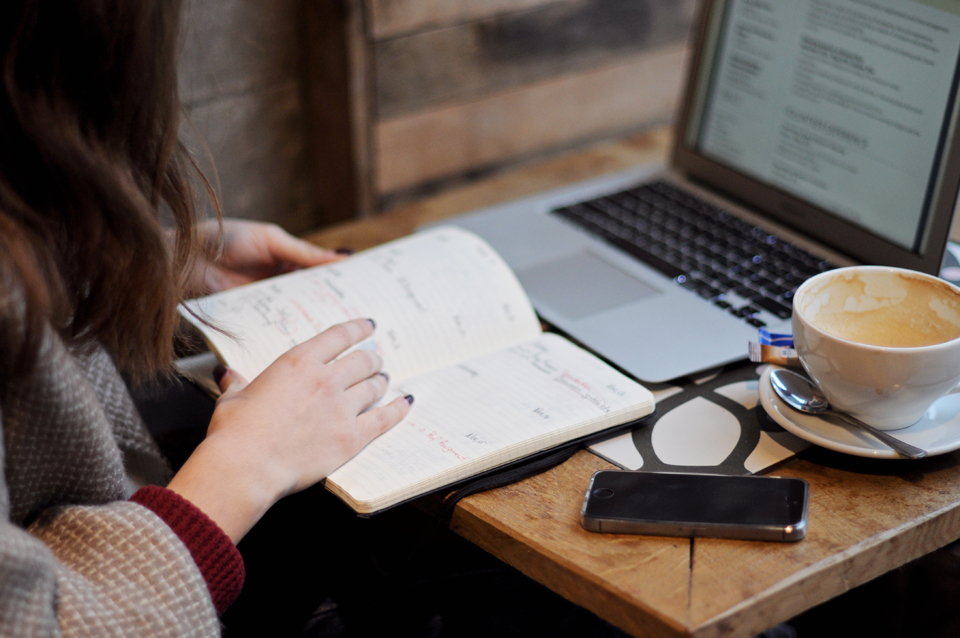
<point>218,372</point>
<point>373,323</point>
<point>385,376</point>
<point>409,399</point>
<point>345,251</point>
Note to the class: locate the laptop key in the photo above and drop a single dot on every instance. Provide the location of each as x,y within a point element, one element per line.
<point>709,292</point>
<point>774,307</point>
<point>647,257</point>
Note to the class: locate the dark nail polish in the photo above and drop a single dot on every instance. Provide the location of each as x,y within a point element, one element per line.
<point>345,251</point>
<point>385,376</point>
<point>373,323</point>
<point>409,399</point>
<point>218,372</point>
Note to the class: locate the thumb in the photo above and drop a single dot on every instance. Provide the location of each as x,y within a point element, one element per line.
<point>297,252</point>
<point>228,379</point>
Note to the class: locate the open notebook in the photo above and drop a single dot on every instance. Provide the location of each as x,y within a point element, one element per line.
<point>456,330</point>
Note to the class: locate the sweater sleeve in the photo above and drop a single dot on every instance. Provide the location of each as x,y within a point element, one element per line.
<point>75,559</point>
<point>212,550</point>
<point>115,569</point>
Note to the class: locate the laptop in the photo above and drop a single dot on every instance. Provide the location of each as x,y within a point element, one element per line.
<point>812,134</point>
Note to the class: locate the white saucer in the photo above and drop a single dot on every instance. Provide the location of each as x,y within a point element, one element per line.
<point>938,432</point>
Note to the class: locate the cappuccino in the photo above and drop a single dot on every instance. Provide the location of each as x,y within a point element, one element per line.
<point>841,318</point>
<point>895,310</point>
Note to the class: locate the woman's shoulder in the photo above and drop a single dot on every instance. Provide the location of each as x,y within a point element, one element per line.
<point>26,304</point>
<point>13,312</point>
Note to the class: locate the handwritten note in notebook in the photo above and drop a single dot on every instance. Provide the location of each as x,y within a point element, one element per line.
<point>436,297</point>
<point>455,330</point>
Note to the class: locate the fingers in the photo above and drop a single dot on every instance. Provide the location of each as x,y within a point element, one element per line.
<point>356,367</point>
<point>375,422</point>
<point>216,279</point>
<point>297,252</point>
<point>229,380</point>
<point>254,251</point>
<point>331,343</point>
<point>365,393</point>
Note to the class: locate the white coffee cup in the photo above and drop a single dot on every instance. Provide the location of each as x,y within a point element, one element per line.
<point>882,343</point>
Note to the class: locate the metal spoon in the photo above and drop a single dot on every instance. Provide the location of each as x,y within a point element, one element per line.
<point>803,395</point>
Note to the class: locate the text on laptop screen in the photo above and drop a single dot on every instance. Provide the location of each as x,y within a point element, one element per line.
<point>843,103</point>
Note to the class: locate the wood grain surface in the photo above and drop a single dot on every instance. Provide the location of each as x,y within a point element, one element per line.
<point>337,78</point>
<point>591,161</point>
<point>510,125</point>
<point>240,84</point>
<point>865,519</point>
<point>390,18</point>
<point>866,516</point>
<point>489,55</point>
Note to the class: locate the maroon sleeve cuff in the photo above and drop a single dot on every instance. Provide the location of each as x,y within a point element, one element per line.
<point>212,550</point>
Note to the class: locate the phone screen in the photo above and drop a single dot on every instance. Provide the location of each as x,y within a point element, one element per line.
<point>696,500</point>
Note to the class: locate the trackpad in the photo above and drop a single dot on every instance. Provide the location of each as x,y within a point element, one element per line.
<point>582,285</point>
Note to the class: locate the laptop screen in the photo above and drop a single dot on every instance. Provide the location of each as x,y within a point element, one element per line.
<point>844,104</point>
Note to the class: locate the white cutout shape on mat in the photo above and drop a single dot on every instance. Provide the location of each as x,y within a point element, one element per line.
<point>696,433</point>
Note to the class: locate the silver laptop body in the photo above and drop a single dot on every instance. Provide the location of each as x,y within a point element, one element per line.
<point>828,124</point>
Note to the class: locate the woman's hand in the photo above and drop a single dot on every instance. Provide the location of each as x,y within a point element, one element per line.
<point>254,251</point>
<point>302,418</point>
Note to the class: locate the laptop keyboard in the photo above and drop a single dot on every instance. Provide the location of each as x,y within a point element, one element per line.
<point>740,267</point>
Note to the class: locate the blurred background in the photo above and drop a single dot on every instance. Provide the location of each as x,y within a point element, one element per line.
<point>320,111</point>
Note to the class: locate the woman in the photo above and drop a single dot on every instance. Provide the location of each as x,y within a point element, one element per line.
<point>90,168</point>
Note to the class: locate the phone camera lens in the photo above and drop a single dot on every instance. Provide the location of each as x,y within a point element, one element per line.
<point>603,492</point>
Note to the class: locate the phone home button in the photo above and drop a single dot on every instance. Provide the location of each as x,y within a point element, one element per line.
<point>603,492</point>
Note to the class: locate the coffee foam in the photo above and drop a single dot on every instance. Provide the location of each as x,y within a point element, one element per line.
<point>883,308</point>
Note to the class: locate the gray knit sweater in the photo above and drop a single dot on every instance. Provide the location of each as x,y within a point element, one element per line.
<point>75,558</point>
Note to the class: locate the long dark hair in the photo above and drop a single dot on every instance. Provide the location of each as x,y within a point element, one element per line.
<point>90,164</point>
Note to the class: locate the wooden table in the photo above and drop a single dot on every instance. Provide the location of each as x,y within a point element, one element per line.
<point>866,516</point>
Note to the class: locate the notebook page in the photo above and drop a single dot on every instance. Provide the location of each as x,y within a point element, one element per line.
<point>437,297</point>
<point>485,412</point>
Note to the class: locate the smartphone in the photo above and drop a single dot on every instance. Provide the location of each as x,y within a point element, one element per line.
<point>672,504</point>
